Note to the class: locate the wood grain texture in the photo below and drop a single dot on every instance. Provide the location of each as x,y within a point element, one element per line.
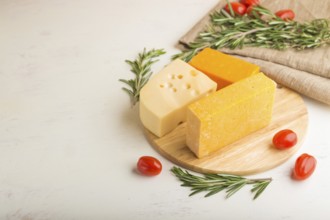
<point>249,155</point>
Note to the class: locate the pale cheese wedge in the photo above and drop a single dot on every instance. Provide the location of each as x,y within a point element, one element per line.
<point>164,99</point>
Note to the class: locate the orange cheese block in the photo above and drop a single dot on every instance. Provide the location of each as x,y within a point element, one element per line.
<point>229,114</point>
<point>221,68</point>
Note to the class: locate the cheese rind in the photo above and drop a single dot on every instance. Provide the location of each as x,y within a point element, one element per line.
<point>229,114</point>
<point>221,68</point>
<point>164,99</point>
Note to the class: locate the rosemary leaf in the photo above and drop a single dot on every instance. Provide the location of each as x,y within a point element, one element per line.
<point>259,188</point>
<point>259,29</point>
<point>235,187</point>
<point>214,183</point>
<point>141,68</point>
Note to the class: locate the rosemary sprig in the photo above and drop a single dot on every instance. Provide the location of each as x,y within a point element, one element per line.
<point>261,29</point>
<point>214,183</point>
<point>141,67</point>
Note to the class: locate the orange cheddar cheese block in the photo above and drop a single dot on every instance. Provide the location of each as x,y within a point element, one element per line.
<point>221,68</point>
<point>229,114</point>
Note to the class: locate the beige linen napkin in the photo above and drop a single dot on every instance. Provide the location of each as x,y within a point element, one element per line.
<point>307,72</point>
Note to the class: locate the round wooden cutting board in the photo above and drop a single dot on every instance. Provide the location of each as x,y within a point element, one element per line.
<point>249,155</point>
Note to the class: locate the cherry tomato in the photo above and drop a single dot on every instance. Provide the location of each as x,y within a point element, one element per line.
<point>250,2</point>
<point>286,14</point>
<point>285,139</point>
<point>249,10</point>
<point>304,167</point>
<point>238,8</point>
<point>149,166</point>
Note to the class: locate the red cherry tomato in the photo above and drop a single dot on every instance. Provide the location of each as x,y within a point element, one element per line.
<point>149,166</point>
<point>285,139</point>
<point>238,8</point>
<point>250,2</point>
<point>304,167</point>
<point>286,14</point>
<point>249,9</point>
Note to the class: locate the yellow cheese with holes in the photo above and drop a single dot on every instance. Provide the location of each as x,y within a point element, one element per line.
<point>223,69</point>
<point>164,99</point>
<point>229,114</point>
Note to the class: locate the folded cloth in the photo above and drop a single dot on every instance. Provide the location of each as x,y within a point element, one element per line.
<point>307,71</point>
<point>315,61</point>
